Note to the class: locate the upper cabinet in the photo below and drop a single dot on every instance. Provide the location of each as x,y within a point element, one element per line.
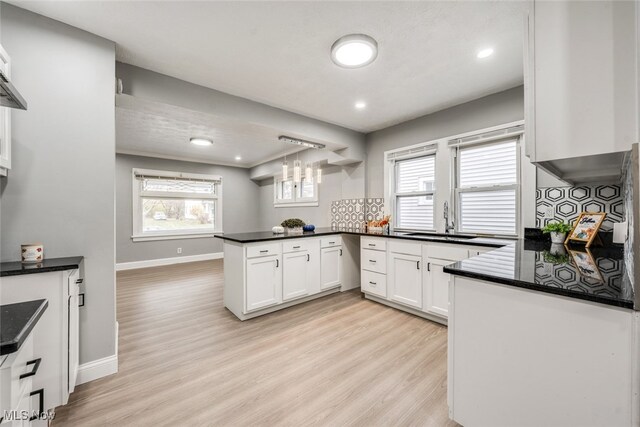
<point>581,87</point>
<point>5,121</point>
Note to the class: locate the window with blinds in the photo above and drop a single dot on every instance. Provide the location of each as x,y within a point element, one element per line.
<point>289,193</point>
<point>414,191</point>
<point>169,204</point>
<point>487,188</point>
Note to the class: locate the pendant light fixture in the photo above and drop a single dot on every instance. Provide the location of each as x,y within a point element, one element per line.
<point>285,169</point>
<point>297,170</point>
<point>319,175</point>
<point>308,173</point>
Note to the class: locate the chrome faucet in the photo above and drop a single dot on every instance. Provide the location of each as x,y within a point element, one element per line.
<point>447,228</point>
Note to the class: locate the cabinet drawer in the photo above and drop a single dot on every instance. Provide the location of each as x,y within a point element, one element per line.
<point>447,252</point>
<point>373,260</point>
<point>375,243</point>
<point>298,245</point>
<point>266,249</point>
<point>409,248</point>
<point>13,387</point>
<point>327,242</point>
<point>373,283</point>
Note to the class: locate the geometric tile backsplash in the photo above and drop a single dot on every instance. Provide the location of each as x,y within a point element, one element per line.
<point>353,213</point>
<point>566,203</point>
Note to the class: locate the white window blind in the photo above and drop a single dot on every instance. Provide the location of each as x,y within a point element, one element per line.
<point>414,193</point>
<point>487,188</point>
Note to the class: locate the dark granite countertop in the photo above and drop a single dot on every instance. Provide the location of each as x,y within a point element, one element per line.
<point>15,268</point>
<point>263,236</point>
<point>597,275</point>
<point>16,323</point>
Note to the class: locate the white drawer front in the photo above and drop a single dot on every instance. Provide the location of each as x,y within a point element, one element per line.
<point>15,366</point>
<point>448,252</point>
<point>298,245</point>
<point>373,260</point>
<point>404,247</point>
<point>375,243</point>
<point>264,249</point>
<point>331,241</point>
<point>373,283</point>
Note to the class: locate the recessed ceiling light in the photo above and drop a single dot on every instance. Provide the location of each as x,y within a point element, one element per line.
<point>485,53</point>
<point>201,141</point>
<point>238,158</point>
<point>354,51</point>
<point>360,105</point>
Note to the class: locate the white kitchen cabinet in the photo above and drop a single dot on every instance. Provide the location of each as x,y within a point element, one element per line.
<point>264,282</point>
<point>5,121</point>
<point>405,279</point>
<point>294,275</point>
<point>436,291</point>
<point>581,85</point>
<point>331,267</point>
<point>55,336</point>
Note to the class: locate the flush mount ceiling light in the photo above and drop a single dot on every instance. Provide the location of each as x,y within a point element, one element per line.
<point>238,158</point>
<point>354,51</point>
<point>485,53</point>
<point>302,142</point>
<point>360,105</point>
<point>201,141</point>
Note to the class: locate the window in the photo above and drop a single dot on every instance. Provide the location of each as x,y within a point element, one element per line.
<point>289,193</point>
<point>170,205</point>
<point>487,188</point>
<point>413,192</point>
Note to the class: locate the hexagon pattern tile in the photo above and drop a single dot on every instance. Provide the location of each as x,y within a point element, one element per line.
<point>567,203</point>
<point>353,213</point>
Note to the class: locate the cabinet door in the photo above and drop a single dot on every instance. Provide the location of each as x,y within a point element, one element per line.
<point>437,288</point>
<point>74,329</point>
<point>405,279</point>
<point>331,269</point>
<point>264,282</point>
<point>294,275</point>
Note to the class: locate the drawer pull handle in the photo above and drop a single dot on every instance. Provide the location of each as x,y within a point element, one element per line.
<point>418,265</point>
<point>40,394</point>
<point>277,263</point>
<point>332,243</point>
<point>340,252</point>
<point>372,283</point>
<point>36,366</point>
<point>265,251</point>
<point>296,247</point>
<point>79,281</point>
<point>308,257</point>
<point>372,244</point>
<point>428,266</point>
<point>372,260</point>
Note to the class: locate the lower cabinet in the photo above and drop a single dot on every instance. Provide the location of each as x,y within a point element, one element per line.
<point>331,267</point>
<point>294,275</point>
<point>264,282</point>
<point>405,279</point>
<point>436,296</point>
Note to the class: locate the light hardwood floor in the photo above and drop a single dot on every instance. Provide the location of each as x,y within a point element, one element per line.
<point>185,360</point>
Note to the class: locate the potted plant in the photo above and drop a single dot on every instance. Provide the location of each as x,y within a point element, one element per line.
<point>558,231</point>
<point>293,225</point>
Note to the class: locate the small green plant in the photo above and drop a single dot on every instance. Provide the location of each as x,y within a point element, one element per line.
<point>293,223</point>
<point>556,227</point>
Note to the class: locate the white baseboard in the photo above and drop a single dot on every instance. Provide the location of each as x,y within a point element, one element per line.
<point>97,369</point>
<point>167,261</point>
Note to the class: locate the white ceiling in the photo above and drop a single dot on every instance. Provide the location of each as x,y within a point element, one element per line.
<point>160,130</point>
<point>278,52</point>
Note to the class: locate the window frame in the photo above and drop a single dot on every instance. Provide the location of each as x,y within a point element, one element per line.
<point>295,201</point>
<point>394,195</point>
<point>139,235</point>
<point>457,191</point>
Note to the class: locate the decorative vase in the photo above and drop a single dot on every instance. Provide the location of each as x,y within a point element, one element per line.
<point>309,227</point>
<point>32,252</point>
<point>277,229</point>
<point>557,237</point>
<point>294,230</point>
<point>557,249</point>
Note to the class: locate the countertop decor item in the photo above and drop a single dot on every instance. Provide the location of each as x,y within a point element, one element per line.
<point>308,227</point>
<point>32,252</point>
<point>277,229</point>
<point>585,229</point>
<point>293,225</point>
<point>379,227</point>
<point>557,230</point>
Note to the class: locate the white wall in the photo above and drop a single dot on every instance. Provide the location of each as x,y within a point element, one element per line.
<point>239,204</point>
<point>60,190</point>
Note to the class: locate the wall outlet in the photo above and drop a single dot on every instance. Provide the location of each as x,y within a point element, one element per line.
<point>179,250</point>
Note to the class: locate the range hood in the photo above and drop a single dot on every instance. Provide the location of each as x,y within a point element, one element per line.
<point>9,95</point>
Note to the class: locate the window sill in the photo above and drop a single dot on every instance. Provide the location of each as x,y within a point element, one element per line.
<point>155,237</point>
<point>295,205</point>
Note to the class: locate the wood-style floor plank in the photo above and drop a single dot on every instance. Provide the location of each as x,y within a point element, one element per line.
<point>337,361</point>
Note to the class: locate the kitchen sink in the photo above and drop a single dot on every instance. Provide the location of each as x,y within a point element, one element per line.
<point>441,236</point>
